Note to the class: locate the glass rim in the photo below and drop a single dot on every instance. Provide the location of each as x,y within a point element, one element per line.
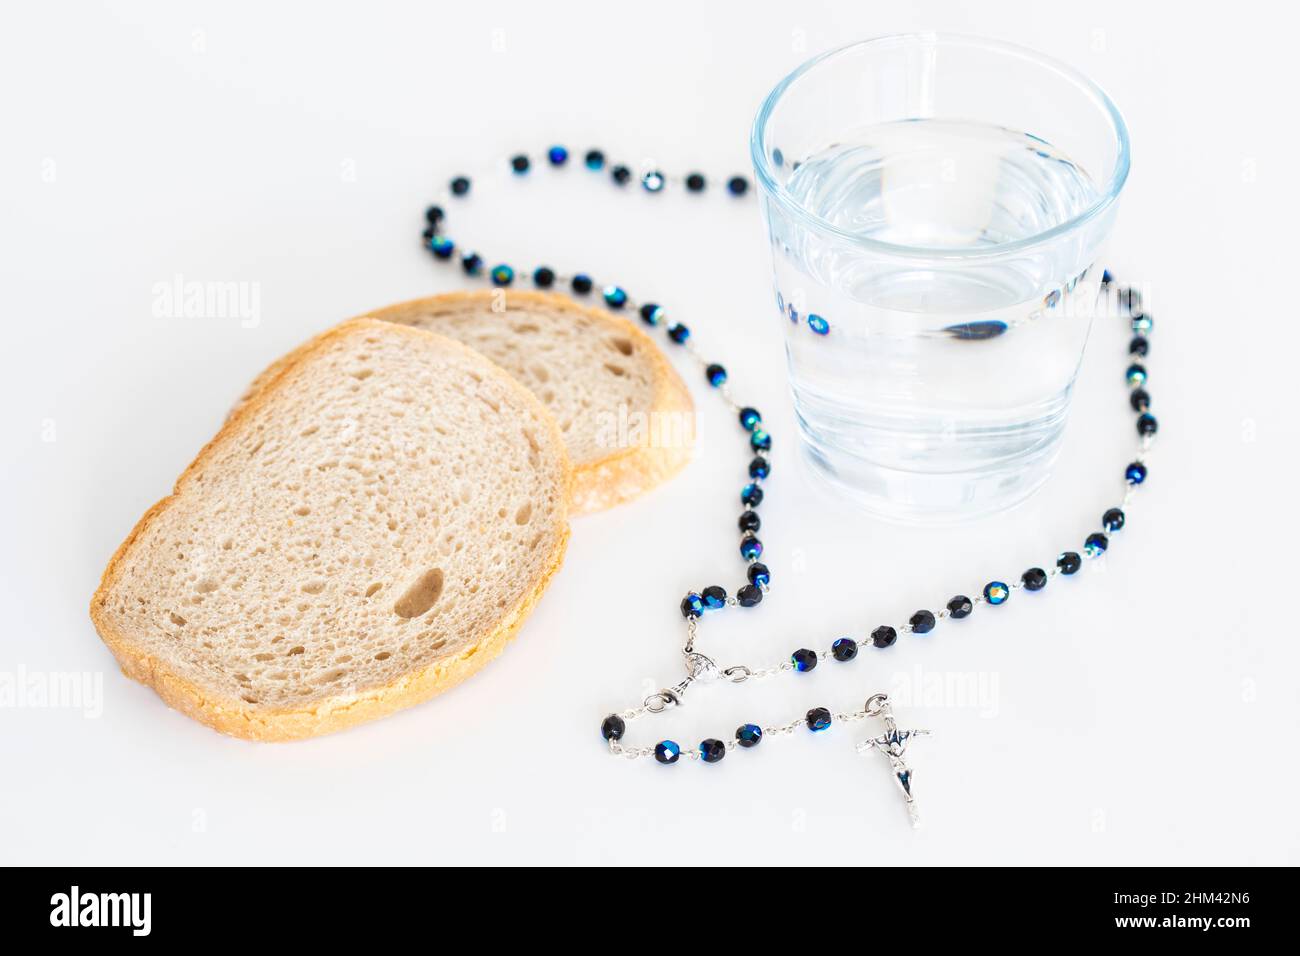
<point>1115,183</point>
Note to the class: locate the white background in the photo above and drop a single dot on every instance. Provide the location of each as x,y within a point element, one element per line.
<point>1145,712</point>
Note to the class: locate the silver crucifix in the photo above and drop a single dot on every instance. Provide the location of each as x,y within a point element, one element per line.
<point>892,743</point>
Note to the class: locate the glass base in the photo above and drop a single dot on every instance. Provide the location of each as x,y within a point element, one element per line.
<point>933,499</point>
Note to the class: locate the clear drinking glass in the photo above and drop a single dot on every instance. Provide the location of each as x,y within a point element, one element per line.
<point>937,207</point>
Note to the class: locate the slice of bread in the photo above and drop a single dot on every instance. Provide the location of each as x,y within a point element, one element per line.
<point>367,531</point>
<point>627,418</point>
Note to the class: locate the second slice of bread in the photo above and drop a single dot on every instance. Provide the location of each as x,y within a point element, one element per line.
<point>365,532</point>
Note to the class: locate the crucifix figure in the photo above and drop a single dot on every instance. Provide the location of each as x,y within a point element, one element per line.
<point>892,743</point>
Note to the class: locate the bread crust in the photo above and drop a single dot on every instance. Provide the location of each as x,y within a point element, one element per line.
<point>623,474</point>
<point>233,715</point>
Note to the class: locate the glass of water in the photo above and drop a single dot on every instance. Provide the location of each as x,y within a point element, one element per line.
<point>937,207</point>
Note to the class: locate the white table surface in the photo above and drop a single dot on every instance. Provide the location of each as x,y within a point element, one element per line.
<point>1145,712</point>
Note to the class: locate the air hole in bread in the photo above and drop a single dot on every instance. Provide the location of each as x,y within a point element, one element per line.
<point>371,591</point>
<point>296,650</point>
<point>524,513</point>
<point>314,587</point>
<point>622,345</point>
<point>176,619</point>
<point>362,374</point>
<point>615,369</point>
<point>302,510</point>
<point>540,373</point>
<point>383,656</point>
<point>421,595</point>
<point>207,585</point>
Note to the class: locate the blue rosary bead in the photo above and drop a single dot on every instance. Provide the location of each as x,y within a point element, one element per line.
<point>543,277</point>
<point>749,521</point>
<point>884,636</point>
<point>581,283</point>
<point>615,297</point>
<point>651,314</point>
<point>679,333</point>
<point>434,215</point>
<point>716,374</point>
<point>759,574</point>
<point>653,181</point>
<point>472,263</point>
<point>1139,399</point>
<point>750,418</point>
<point>519,164</point>
<point>804,659</point>
<point>1136,374</point>
<point>714,598</point>
<point>1069,562</point>
<point>960,607</point>
<point>1096,544</point>
<point>692,605</point>
<point>996,592</point>
<point>503,275</point>
<point>712,750</point>
<point>751,495</point>
<point>460,185</point>
<point>620,175</point>
<point>760,440</point>
<point>442,247</point>
<point>844,649</point>
<point>819,718</point>
<point>750,547</point>
<point>1147,424</point>
<point>1140,345</point>
<point>667,751</point>
<point>1141,323</point>
<point>749,735</point>
<point>1113,519</point>
<point>737,185</point>
<point>558,155</point>
<point>613,727</point>
<point>1035,579</point>
<point>818,324</point>
<point>922,622</point>
<point>594,159</point>
<point>1135,473</point>
<point>749,595</point>
<point>695,182</point>
<point>760,467</point>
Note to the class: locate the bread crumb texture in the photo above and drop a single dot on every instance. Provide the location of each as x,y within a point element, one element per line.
<point>369,529</point>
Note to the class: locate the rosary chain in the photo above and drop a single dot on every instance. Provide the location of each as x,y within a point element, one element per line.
<point>694,605</point>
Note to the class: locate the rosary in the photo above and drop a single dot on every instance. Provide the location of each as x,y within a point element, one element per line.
<point>892,742</point>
